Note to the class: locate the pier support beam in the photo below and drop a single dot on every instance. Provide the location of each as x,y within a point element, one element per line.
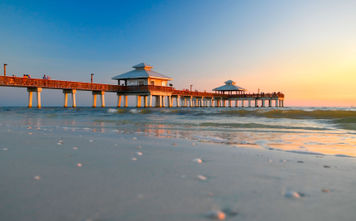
<point>145,101</point>
<point>169,101</point>
<point>178,101</point>
<point>256,103</point>
<point>72,92</point>
<point>191,101</point>
<point>263,102</point>
<point>269,103</point>
<point>102,96</point>
<point>249,103</point>
<point>150,101</point>
<point>138,101</point>
<point>118,100</point>
<point>30,91</point>
<point>276,102</point>
<point>125,101</point>
<point>230,103</point>
<point>94,99</point>
<point>158,101</point>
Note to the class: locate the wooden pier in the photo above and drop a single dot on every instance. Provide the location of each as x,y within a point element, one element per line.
<point>164,96</point>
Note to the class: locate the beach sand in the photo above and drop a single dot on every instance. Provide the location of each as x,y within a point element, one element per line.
<point>51,176</point>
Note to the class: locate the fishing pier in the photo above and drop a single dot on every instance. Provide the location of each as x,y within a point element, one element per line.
<point>150,88</point>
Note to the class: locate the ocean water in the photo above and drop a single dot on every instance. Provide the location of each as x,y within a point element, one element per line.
<point>317,131</point>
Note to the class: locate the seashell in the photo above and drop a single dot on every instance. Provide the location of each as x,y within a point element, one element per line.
<point>75,148</point>
<point>217,215</point>
<point>36,177</point>
<point>201,177</point>
<point>139,153</point>
<point>134,158</point>
<point>79,165</point>
<point>292,195</point>
<point>198,160</point>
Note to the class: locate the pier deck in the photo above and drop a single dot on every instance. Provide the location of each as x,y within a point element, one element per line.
<point>182,98</point>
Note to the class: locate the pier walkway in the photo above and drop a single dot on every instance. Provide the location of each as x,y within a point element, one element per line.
<point>164,96</point>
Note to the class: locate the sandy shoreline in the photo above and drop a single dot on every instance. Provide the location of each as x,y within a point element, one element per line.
<point>133,177</point>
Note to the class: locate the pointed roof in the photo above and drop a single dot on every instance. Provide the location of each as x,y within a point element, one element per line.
<point>229,86</point>
<point>142,70</point>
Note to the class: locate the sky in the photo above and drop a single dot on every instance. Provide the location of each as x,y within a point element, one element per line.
<point>303,48</point>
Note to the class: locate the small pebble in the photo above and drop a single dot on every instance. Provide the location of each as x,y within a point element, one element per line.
<point>79,165</point>
<point>217,215</point>
<point>91,141</point>
<point>29,133</point>
<point>201,177</point>
<point>4,149</point>
<point>59,143</point>
<point>300,161</point>
<point>134,138</point>
<point>75,148</point>
<point>134,158</point>
<point>139,153</point>
<point>325,190</point>
<point>198,160</point>
<point>174,144</point>
<point>36,177</point>
<point>326,166</point>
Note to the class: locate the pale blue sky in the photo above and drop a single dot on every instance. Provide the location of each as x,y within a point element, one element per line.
<point>199,42</point>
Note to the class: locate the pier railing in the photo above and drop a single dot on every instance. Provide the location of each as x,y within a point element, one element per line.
<point>55,84</point>
<point>11,81</point>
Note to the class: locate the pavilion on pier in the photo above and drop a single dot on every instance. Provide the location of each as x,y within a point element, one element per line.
<point>230,87</point>
<point>142,75</point>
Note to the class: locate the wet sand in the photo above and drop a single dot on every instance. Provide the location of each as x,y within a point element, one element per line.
<point>51,176</point>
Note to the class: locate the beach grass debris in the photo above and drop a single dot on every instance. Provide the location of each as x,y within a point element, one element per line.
<point>217,215</point>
